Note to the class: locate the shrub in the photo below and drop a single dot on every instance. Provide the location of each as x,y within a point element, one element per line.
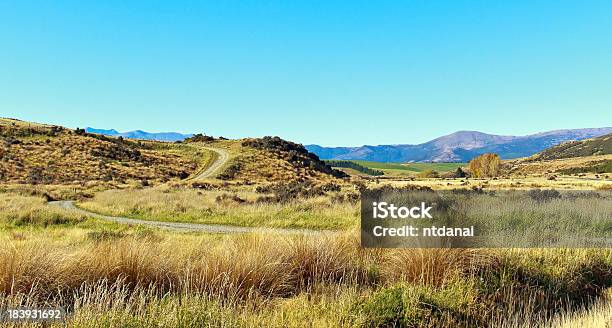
<point>229,197</point>
<point>231,171</point>
<point>545,195</point>
<point>428,174</point>
<point>459,173</point>
<point>199,137</point>
<point>385,308</point>
<point>288,191</point>
<point>104,235</point>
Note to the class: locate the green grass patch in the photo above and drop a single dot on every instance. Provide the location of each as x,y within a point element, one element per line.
<point>397,169</point>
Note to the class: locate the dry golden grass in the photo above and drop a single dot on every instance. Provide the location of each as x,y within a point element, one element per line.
<point>530,166</point>
<point>189,205</point>
<point>168,280</point>
<point>523,183</point>
<point>235,268</point>
<point>18,210</point>
<point>599,316</point>
<point>116,276</point>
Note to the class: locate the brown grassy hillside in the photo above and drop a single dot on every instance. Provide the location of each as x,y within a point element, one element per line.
<point>271,159</point>
<point>574,165</point>
<point>44,154</point>
<point>589,147</point>
<point>575,157</point>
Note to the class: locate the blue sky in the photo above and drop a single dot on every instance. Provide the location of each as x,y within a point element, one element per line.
<point>326,72</point>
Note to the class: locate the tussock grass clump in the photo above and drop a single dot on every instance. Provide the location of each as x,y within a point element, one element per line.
<point>239,268</point>
<point>281,281</point>
<point>131,276</point>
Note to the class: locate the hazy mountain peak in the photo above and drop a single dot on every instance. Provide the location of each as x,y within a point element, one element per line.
<point>139,134</point>
<point>468,140</point>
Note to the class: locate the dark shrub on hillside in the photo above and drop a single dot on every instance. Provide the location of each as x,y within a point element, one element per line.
<point>117,152</point>
<point>428,174</point>
<point>459,173</point>
<point>294,153</point>
<point>231,171</point>
<point>199,137</point>
<point>104,235</point>
<point>230,198</point>
<point>201,185</point>
<point>37,176</point>
<point>286,191</point>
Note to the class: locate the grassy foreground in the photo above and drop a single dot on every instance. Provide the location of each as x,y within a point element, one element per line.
<point>116,276</point>
<point>144,278</point>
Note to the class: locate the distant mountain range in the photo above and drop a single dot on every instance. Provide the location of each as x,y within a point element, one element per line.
<point>460,146</point>
<point>138,134</point>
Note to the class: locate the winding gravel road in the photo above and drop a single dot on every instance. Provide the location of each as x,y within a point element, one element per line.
<point>180,226</point>
<point>215,166</point>
<point>186,227</point>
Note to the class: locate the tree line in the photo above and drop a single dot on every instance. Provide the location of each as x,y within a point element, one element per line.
<point>354,166</point>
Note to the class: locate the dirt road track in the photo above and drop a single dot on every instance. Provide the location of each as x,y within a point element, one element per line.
<point>210,171</point>
<point>179,226</point>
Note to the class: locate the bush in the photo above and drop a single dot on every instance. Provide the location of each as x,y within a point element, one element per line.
<point>385,308</point>
<point>288,191</point>
<point>459,173</point>
<point>231,171</point>
<point>104,235</point>
<point>224,198</point>
<point>545,195</point>
<point>428,174</point>
<point>199,137</point>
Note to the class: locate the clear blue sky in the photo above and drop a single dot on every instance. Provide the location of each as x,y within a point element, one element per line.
<point>326,72</point>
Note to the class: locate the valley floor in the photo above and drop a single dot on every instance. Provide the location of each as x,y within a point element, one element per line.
<point>116,275</point>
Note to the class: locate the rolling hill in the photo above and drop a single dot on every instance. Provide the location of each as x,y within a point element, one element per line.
<point>35,153</point>
<point>459,147</point>
<point>574,157</point>
<point>589,147</point>
<point>272,160</point>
